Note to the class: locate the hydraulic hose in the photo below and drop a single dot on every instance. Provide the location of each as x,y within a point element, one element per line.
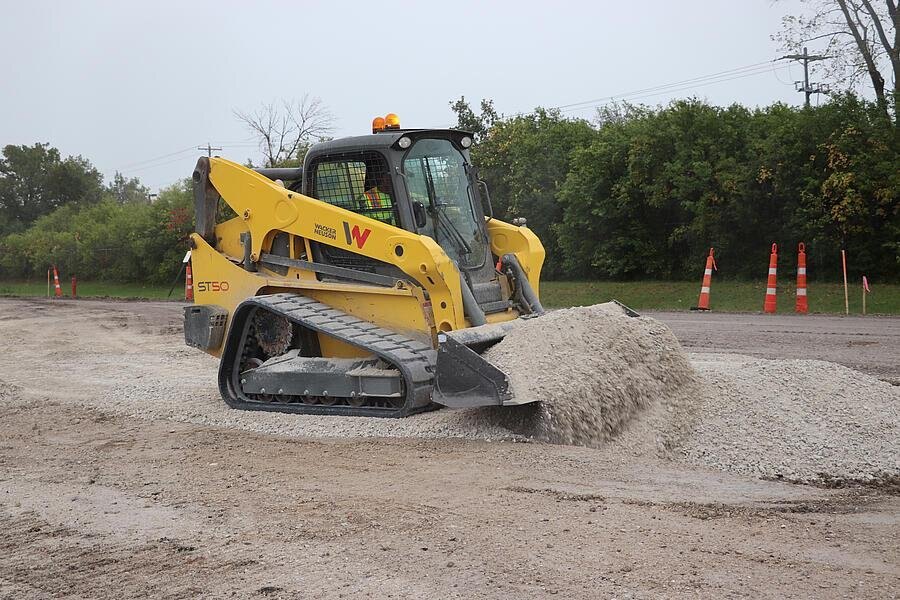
<point>524,291</point>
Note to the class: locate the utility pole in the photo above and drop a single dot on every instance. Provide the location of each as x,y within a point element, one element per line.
<point>806,87</point>
<point>209,149</point>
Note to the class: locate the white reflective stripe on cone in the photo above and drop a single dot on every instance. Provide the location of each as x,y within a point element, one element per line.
<point>770,291</point>
<point>707,272</point>
<point>772,270</point>
<point>801,270</point>
<point>801,291</point>
<point>704,290</point>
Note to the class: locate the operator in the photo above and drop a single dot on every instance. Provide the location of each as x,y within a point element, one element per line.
<point>376,197</point>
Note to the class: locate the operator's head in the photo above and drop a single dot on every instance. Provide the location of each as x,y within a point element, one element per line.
<point>377,175</point>
<point>384,183</point>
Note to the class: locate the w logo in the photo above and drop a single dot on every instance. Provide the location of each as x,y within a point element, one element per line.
<point>355,235</point>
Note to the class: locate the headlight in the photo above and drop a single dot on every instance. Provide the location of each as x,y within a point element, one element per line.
<point>404,142</point>
<point>465,142</point>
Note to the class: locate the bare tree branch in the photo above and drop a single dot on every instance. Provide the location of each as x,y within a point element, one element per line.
<point>892,51</point>
<point>828,35</point>
<point>857,36</point>
<point>865,52</point>
<point>285,130</point>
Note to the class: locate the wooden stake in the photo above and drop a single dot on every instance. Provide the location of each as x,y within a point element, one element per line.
<point>846,292</point>
<point>48,283</point>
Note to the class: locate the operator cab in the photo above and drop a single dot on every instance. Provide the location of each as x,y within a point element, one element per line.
<point>421,180</point>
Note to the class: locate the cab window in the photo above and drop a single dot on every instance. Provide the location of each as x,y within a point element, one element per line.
<point>360,183</point>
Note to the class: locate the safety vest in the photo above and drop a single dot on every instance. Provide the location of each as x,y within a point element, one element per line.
<point>374,199</point>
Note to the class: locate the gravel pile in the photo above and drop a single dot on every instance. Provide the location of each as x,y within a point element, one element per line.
<point>801,420</point>
<point>590,371</point>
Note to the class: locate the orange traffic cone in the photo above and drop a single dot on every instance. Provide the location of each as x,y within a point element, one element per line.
<point>188,282</point>
<point>770,286</point>
<point>56,282</point>
<point>802,304</point>
<point>703,302</point>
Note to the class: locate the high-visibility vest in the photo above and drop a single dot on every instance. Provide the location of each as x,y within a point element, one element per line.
<point>374,199</point>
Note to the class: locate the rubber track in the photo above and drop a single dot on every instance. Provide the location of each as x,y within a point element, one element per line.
<point>415,360</point>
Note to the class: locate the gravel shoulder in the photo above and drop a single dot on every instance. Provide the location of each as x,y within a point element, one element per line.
<point>122,475</point>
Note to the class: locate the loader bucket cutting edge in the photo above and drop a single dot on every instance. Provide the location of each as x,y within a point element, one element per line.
<point>463,379</point>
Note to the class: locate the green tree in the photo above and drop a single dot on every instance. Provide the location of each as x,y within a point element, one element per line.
<point>525,160</point>
<point>467,120</point>
<point>35,180</point>
<point>128,191</point>
<point>852,201</point>
<point>657,188</point>
<point>106,241</point>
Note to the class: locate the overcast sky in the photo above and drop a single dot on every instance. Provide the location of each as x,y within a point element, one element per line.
<point>135,87</point>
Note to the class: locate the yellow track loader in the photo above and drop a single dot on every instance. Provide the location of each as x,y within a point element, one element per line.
<point>367,282</point>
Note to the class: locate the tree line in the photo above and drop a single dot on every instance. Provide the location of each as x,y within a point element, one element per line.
<point>57,211</point>
<point>645,192</point>
<point>636,193</point>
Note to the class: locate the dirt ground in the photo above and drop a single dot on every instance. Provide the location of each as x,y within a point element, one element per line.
<point>95,504</point>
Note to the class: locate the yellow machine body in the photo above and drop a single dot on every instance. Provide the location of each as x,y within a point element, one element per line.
<point>265,208</point>
<point>298,333</point>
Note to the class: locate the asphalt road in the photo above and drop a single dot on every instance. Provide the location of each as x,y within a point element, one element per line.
<point>867,344</point>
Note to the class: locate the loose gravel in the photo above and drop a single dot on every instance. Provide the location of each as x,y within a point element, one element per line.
<point>604,380</point>
<point>801,420</point>
<point>590,371</point>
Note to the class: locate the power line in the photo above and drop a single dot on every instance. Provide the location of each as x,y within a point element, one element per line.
<point>727,75</point>
<point>162,164</point>
<point>209,149</point>
<point>808,89</point>
<point>237,145</point>
<point>775,73</point>
<point>149,160</point>
<point>667,89</point>
<point>152,163</point>
<point>243,141</point>
<point>735,71</point>
<point>670,90</point>
<point>750,70</point>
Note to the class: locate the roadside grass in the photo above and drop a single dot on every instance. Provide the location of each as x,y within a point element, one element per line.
<point>725,296</point>
<point>93,289</point>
